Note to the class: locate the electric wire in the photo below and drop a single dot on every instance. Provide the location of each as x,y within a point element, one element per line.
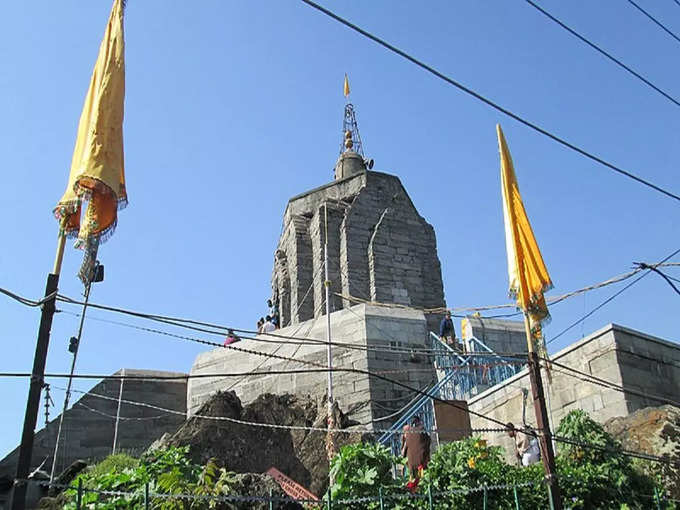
<point>25,301</point>
<point>598,381</point>
<point>491,103</point>
<point>660,273</point>
<point>610,298</point>
<point>603,52</point>
<point>653,19</point>
<point>502,425</point>
<point>280,342</point>
<point>502,428</point>
<point>221,330</point>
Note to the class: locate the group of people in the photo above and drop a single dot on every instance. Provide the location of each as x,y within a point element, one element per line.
<point>416,443</point>
<point>266,324</point>
<point>272,321</point>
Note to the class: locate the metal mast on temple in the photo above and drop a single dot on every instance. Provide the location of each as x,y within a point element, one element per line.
<point>351,140</point>
<point>351,160</point>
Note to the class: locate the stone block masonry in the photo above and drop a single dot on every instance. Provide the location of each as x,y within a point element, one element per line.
<point>501,336</point>
<point>88,428</point>
<point>366,330</point>
<point>614,353</point>
<point>380,249</point>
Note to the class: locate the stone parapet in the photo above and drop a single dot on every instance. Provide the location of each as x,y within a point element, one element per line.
<point>365,331</point>
<point>616,354</point>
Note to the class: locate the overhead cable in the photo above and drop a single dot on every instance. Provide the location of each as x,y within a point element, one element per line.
<point>656,21</point>
<point>603,52</point>
<point>502,428</point>
<point>660,273</point>
<point>283,340</point>
<point>610,298</point>
<point>493,104</point>
<point>598,381</point>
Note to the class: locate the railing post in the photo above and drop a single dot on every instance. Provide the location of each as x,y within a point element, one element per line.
<point>485,496</point>
<point>429,497</point>
<point>271,503</point>
<point>514,489</point>
<point>146,496</point>
<point>380,495</point>
<point>79,496</point>
<point>657,498</point>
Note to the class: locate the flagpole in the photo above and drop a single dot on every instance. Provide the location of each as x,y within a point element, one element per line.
<point>542,422</point>
<point>18,500</point>
<point>330,446</point>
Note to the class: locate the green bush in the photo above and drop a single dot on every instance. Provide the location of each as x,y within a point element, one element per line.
<point>167,471</point>
<point>118,462</point>
<point>359,470</point>
<point>597,478</point>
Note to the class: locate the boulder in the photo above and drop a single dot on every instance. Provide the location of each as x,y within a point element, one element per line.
<point>655,431</point>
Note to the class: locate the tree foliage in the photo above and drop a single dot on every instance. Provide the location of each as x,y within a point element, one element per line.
<point>594,477</point>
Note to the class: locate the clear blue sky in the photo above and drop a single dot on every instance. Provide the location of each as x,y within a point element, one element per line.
<point>233,107</point>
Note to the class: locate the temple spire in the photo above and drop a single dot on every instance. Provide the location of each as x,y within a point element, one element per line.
<point>351,160</point>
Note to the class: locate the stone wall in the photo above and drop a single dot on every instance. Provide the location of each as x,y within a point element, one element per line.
<point>88,428</point>
<point>380,249</point>
<point>361,329</point>
<point>614,353</point>
<point>501,336</point>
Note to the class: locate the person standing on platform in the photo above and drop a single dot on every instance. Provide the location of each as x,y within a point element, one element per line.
<point>268,327</point>
<point>447,332</point>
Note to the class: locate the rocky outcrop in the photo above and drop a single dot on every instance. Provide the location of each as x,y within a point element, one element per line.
<point>299,454</point>
<point>655,431</point>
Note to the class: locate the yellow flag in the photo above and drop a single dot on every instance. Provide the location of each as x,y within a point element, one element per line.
<point>527,273</point>
<point>346,87</point>
<point>97,168</point>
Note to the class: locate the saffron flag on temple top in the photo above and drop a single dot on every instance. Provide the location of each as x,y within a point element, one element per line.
<point>527,273</point>
<point>346,86</point>
<point>97,174</point>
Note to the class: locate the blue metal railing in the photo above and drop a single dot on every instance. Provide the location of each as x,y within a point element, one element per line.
<point>423,408</point>
<point>461,376</point>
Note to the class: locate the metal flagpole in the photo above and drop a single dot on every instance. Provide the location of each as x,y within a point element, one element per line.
<point>120,397</point>
<point>330,443</point>
<point>67,397</point>
<point>18,501</point>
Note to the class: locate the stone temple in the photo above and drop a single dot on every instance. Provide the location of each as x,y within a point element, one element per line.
<point>386,301</point>
<point>381,252</point>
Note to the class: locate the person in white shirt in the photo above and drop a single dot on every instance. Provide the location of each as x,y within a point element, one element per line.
<point>527,450</point>
<point>268,327</point>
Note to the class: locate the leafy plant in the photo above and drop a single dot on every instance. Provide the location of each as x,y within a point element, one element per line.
<point>360,470</point>
<point>599,476</point>
<point>168,472</point>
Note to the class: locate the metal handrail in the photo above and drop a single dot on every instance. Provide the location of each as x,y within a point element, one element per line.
<point>433,391</point>
<point>461,379</point>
